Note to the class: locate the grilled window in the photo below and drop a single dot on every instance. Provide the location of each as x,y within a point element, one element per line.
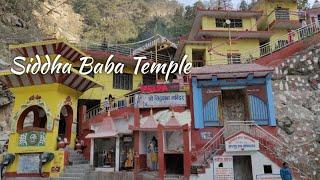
<point>122,81</point>
<point>234,23</point>
<point>234,58</point>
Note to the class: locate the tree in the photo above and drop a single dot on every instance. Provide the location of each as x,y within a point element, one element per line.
<point>302,4</point>
<point>243,5</point>
<point>221,4</point>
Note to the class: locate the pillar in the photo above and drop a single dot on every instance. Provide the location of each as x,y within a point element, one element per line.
<point>271,111</point>
<point>160,152</point>
<point>117,160</point>
<point>82,117</point>
<point>197,108</point>
<point>91,151</point>
<point>186,154</point>
<point>137,166</point>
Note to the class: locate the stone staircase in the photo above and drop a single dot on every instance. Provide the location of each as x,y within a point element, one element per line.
<point>78,168</point>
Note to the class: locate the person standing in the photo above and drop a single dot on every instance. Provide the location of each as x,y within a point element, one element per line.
<point>285,172</point>
<point>106,104</point>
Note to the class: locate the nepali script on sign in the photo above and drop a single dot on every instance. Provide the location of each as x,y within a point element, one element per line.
<point>160,100</point>
<point>242,142</point>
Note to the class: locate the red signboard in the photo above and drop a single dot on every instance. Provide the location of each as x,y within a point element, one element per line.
<point>159,88</point>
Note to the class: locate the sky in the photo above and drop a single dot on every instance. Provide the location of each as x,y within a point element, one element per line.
<point>235,2</point>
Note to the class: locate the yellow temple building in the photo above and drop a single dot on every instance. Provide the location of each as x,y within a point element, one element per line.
<point>45,108</point>
<point>235,36</point>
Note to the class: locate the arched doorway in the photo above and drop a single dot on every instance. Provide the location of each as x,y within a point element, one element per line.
<point>32,118</point>
<point>65,122</point>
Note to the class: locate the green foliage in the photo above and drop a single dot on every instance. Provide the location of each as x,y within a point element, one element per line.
<point>222,4</point>
<point>243,5</point>
<point>302,4</point>
<point>118,21</point>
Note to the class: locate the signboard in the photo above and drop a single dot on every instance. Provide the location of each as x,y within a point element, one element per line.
<point>159,88</point>
<point>223,168</point>
<point>160,100</point>
<point>206,135</point>
<point>32,138</point>
<point>242,142</point>
<point>28,163</point>
<point>268,177</point>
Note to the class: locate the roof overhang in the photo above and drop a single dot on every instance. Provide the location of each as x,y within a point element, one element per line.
<point>205,34</point>
<point>159,41</point>
<point>285,24</point>
<point>73,80</point>
<point>48,47</point>
<point>230,13</point>
<point>219,13</point>
<point>230,71</point>
<point>313,10</point>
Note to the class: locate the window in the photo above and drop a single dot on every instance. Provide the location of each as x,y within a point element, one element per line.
<point>267,169</point>
<point>282,14</point>
<point>34,117</point>
<point>234,23</point>
<point>122,81</point>
<point>234,58</point>
<point>149,79</point>
<point>198,57</point>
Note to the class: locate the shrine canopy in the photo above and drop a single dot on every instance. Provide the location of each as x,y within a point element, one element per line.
<point>74,80</point>
<point>103,129</point>
<point>166,118</point>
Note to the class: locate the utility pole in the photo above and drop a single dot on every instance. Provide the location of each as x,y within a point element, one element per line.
<point>156,46</point>
<point>156,49</point>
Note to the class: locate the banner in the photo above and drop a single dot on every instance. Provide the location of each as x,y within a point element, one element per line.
<point>223,168</point>
<point>160,100</point>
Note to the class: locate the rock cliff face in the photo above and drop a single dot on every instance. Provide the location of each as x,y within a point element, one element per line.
<point>297,103</point>
<point>6,102</point>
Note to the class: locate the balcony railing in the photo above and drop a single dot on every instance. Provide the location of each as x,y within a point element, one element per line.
<point>113,105</point>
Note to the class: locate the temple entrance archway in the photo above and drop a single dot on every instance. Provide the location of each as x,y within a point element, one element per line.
<point>65,122</point>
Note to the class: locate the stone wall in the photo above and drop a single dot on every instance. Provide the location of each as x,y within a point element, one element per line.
<point>297,102</point>
<point>6,99</point>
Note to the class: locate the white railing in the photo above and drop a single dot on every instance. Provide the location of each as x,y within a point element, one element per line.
<point>122,50</point>
<point>280,43</point>
<point>210,148</point>
<point>112,105</point>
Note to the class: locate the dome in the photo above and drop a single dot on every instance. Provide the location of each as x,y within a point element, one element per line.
<point>316,4</point>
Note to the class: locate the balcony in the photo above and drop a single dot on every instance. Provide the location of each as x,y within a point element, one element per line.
<point>283,19</point>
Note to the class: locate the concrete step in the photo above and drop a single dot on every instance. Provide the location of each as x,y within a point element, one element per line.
<point>77,167</point>
<point>74,170</point>
<point>77,159</point>
<point>65,178</point>
<point>80,162</point>
<point>72,174</point>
